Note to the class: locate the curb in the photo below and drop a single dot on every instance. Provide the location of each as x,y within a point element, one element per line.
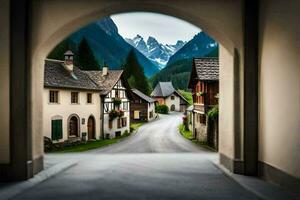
<point>19,187</point>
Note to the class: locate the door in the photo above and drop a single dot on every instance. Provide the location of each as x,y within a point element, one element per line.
<point>91,128</point>
<point>173,107</point>
<point>73,127</point>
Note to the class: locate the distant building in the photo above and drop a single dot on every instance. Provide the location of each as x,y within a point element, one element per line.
<point>142,107</point>
<point>116,95</point>
<point>71,102</point>
<point>165,94</point>
<point>204,82</point>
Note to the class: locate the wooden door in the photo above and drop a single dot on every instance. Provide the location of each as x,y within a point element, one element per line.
<point>91,128</point>
<point>173,107</point>
<point>73,127</point>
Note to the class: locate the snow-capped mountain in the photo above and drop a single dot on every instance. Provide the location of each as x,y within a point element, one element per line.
<point>155,51</point>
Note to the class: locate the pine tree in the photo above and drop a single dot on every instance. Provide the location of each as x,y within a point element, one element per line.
<point>58,52</point>
<point>86,58</point>
<point>134,74</point>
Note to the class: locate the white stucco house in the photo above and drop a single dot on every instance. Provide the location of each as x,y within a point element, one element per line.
<point>115,95</point>
<point>164,93</point>
<point>72,105</point>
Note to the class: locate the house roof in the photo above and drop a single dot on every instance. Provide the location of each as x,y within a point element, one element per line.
<point>57,76</point>
<point>207,68</point>
<point>143,96</point>
<point>107,82</point>
<point>163,89</point>
<point>190,108</point>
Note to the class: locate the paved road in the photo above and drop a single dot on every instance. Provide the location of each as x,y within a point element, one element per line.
<point>159,136</point>
<point>131,170</point>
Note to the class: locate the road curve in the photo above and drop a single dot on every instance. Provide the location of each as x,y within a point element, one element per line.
<point>158,136</point>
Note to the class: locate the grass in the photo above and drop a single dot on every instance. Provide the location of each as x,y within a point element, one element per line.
<point>188,135</point>
<point>135,126</point>
<point>90,145</point>
<point>187,95</point>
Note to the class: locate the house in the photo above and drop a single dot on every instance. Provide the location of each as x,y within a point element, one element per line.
<point>142,107</point>
<point>71,102</point>
<point>165,94</point>
<point>115,95</point>
<point>204,82</point>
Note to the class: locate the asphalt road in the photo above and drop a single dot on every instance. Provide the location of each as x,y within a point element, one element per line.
<point>156,163</point>
<point>158,136</point>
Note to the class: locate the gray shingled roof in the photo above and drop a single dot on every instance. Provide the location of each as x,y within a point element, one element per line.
<point>207,68</point>
<point>163,89</point>
<point>56,76</point>
<point>105,83</point>
<point>143,96</point>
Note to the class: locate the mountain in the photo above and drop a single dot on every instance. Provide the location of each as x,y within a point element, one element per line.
<point>200,45</point>
<point>155,51</point>
<point>180,64</point>
<point>109,46</point>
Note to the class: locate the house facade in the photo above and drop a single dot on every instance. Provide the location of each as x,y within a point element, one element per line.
<point>115,95</point>
<point>165,94</point>
<point>72,104</point>
<point>204,83</point>
<point>142,107</point>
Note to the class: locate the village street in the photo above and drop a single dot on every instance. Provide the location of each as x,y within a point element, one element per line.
<point>155,163</point>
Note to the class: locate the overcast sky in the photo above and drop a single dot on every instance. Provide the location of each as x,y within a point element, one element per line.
<point>164,28</point>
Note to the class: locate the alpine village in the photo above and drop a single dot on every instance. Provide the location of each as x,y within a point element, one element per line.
<point>92,105</point>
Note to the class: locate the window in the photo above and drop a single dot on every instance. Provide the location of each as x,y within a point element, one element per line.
<point>172,97</point>
<point>53,96</point>
<point>89,97</point>
<point>136,114</point>
<point>125,106</point>
<point>122,122</point>
<point>202,119</point>
<point>74,97</point>
<point>56,129</point>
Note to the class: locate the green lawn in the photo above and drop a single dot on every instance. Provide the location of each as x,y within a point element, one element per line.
<point>89,145</point>
<point>96,144</point>
<point>187,95</point>
<point>188,135</point>
<point>135,126</point>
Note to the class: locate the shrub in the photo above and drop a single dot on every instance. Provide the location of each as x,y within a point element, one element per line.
<point>213,113</point>
<point>163,109</point>
<point>117,101</point>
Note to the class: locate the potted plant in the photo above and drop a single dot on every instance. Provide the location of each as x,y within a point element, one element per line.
<point>117,101</point>
<point>113,114</point>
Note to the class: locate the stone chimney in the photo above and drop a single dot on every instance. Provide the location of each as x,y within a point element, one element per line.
<point>105,70</point>
<point>69,59</point>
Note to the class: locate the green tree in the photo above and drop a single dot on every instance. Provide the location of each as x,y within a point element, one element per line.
<point>58,52</point>
<point>86,58</point>
<point>134,74</point>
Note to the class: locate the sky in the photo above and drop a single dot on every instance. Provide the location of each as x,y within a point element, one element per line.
<point>166,29</point>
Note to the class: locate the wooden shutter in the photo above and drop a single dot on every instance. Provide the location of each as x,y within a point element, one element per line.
<point>56,132</point>
<point>110,124</point>
<point>119,123</point>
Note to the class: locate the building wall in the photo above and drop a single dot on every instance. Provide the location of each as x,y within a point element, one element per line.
<point>4,82</point>
<point>151,107</point>
<point>109,100</point>
<point>200,129</point>
<point>65,109</point>
<point>279,85</point>
<point>169,102</point>
<point>226,104</point>
<point>142,107</point>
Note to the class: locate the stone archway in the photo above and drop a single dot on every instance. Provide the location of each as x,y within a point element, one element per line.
<point>50,23</point>
<point>73,126</point>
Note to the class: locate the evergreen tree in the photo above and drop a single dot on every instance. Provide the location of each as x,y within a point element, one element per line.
<point>58,52</point>
<point>134,74</point>
<point>86,58</point>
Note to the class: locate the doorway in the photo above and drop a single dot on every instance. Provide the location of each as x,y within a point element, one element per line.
<point>73,127</point>
<point>91,128</point>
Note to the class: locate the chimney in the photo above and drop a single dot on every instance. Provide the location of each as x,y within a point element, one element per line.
<point>69,58</point>
<point>104,70</point>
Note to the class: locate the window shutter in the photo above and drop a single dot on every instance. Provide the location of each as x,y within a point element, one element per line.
<point>56,129</point>
<point>110,124</point>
